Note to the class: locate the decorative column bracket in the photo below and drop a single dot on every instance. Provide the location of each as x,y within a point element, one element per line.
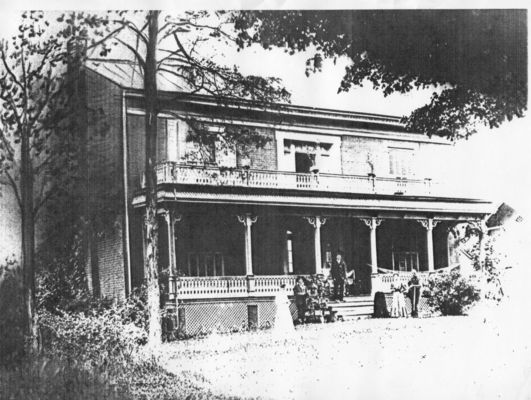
<point>316,222</point>
<point>372,223</point>
<point>428,224</point>
<point>247,219</point>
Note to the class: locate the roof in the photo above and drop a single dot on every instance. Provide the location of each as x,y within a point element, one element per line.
<point>504,214</point>
<point>128,75</point>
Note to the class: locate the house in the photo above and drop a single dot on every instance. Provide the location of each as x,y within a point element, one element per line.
<point>236,226</point>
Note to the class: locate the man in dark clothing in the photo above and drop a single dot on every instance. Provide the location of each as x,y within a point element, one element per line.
<point>414,293</point>
<point>339,274</point>
<point>301,293</point>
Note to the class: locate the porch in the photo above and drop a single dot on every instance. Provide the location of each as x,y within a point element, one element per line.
<point>220,252</point>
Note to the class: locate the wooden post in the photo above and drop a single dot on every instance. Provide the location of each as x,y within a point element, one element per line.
<point>317,222</point>
<point>248,220</point>
<point>373,223</point>
<point>429,224</point>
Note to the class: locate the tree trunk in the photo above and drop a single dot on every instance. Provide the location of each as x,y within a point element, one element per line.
<point>150,222</point>
<point>31,327</point>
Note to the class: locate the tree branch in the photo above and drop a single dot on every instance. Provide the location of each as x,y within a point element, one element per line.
<point>13,185</point>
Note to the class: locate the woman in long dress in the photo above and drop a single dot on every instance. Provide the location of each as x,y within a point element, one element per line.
<point>283,325</point>
<point>398,307</point>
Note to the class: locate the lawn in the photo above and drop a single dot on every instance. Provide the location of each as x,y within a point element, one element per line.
<point>482,356</point>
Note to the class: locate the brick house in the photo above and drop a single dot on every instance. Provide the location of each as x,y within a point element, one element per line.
<point>236,228</point>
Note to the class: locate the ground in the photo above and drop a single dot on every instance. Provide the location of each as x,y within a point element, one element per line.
<point>481,356</point>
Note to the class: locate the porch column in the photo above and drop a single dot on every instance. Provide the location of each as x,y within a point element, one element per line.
<point>317,222</point>
<point>373,223</point>
<point>171,218</point>
<point>248,220</point>
<point>429,224</point>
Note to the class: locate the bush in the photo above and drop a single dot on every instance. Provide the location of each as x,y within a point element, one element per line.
<point>96,336</point>
<point>11,312</point>
<point>451,293</point>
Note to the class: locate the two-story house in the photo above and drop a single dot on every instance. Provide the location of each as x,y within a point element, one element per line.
<point>234,229</point>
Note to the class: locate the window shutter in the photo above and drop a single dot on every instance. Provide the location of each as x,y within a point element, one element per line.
<point>182,132</point>
<point>161,140</point>
<point>173,146</point>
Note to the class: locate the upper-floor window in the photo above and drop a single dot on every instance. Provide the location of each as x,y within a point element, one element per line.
<point>401,161</point>
<point>173,144</point>
<point>300,152</point>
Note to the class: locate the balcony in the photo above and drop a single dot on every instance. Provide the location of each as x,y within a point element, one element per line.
<point>175,173</point>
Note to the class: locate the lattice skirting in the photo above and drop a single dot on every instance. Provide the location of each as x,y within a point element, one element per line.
<point>198,317</point>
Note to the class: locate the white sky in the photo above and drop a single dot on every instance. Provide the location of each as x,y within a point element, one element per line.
<point>497,162</point>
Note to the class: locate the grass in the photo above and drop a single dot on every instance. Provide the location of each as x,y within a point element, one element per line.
<point>447,357</point>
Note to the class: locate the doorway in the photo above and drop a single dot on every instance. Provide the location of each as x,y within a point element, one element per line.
<point>304,162</point>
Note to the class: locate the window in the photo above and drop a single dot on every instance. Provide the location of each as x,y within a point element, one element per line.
<point>289,249</point>
<point>225,153</point>
<point>401,162</point>
<point>302,152</point>
<point>405,260</point>
<point>206,264</point>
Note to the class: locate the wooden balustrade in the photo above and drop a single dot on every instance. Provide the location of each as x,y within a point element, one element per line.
<point>230,286</point>
<point>382,282</point>
<point>171,172</point>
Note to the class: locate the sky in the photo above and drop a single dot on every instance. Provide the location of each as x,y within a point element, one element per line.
<point>494,163</point>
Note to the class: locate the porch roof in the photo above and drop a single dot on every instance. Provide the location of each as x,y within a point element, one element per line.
<point>367,204</point>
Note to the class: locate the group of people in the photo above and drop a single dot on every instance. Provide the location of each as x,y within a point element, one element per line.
<point>339,274</point>
<point>400,291</point>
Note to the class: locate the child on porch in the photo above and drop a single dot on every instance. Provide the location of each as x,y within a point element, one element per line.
<point>301,293</point>
<point>398,307</point>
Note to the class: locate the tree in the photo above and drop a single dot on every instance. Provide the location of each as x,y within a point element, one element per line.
<point>35,146</point>
<point>477,59</point>
<point>172,44</point>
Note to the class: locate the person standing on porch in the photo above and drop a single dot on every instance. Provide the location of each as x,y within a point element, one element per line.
<point>339,274</point>
<point>301,293</point>
<point>414,293</point>
<point>398,306</point>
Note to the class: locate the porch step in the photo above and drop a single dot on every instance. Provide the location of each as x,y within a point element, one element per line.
<point>353,307</point>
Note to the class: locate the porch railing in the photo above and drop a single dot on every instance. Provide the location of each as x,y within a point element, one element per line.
<point>230,286</point>
<point>175,173</point>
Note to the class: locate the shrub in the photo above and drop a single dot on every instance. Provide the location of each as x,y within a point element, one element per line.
<point>451,293</point>
<point>11,311</point>
<point>97,336</point>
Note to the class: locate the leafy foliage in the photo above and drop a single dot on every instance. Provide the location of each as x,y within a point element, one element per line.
<point>11,311</point>
<point>451,293</point>
<point>476,58</point>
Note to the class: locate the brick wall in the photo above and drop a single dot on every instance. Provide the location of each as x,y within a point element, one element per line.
<point>265,157</point>
<point>110,262</point>
<point>105,186</point>
<point>356,151</point>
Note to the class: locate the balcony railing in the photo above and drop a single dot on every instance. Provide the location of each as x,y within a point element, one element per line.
<point>170,172</point>
<point>230,286</point>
